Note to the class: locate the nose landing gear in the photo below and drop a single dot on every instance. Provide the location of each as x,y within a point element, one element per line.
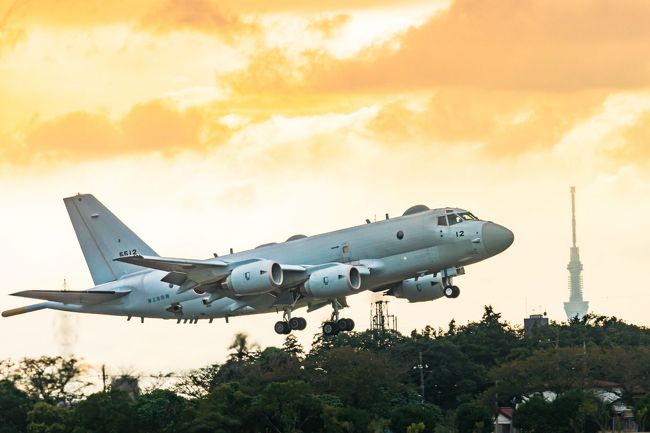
<point>450,290</point>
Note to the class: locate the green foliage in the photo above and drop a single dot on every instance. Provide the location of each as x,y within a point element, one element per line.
<point>362,379</point>
<point>423,416</point>
<point>105,412</point>
<point>223,410</point>
<point>416,428</point>
<point>46,418</point>
<point>572,411</point>
<point>161,411</point>
<point>292,347</point>
<point>474,417</point>
<point>51,379</point>
<point>197,383</point>
<point>14,405</point>
<point>642,412</point>
<point>290,407</point>
<point>360,382</point>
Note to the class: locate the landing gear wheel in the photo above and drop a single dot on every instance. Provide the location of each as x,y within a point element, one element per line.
<point>282,327</point>
<point>330,328</point>
<point>452,291</point>
<point>295,323</point>
<point>303,323</point>
<point>344,325</point>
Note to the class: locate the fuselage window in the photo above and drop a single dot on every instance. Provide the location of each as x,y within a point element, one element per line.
<point>442,220</point>
<point>454,219</point>
<point>468,216</point>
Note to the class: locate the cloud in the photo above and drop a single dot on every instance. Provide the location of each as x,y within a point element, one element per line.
<point>10,33</point>
<point>329,26</point>
<point>540,45</point>
<point>197,15</point>
<point>159,17</point>
<point>498,44</point>
<point>500,123</point>
<point>636,141</point>
<point>151,127</point>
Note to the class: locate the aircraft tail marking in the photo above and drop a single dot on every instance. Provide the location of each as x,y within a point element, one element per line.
<point>103,237</point>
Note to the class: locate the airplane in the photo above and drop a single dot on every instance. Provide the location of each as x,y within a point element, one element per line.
<point>415,257</point>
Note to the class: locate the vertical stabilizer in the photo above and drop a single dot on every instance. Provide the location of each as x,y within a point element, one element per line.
<point>103,237</point>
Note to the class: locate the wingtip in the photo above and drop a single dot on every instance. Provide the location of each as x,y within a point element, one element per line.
<point>23,310</point>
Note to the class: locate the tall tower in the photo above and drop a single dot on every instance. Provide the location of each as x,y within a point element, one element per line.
<point>576,305</point>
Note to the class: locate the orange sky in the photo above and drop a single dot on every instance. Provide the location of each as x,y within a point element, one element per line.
<point>207,125</point>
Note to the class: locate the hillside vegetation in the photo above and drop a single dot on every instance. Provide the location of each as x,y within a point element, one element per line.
<point>368,381</point>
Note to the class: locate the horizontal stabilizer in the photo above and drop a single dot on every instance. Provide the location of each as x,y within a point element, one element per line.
<point>170,264</point>
<point>81,297</point>
<point>23,310</point>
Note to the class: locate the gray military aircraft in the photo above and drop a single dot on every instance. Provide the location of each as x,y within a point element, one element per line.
<point>414,257</point>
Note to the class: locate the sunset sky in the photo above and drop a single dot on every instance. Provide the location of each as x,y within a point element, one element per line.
<point>206,125</point>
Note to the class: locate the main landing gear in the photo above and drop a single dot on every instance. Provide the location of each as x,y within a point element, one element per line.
<point>450,290</point>
<point>289,323</point>
<point>336,325</point>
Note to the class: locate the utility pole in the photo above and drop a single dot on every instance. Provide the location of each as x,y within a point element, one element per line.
<point>104,376</point>
<point>421,367</point>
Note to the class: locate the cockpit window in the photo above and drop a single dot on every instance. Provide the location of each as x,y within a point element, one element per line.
<point>454,219</point>
<point>468,216</point>
<point>442,220</point>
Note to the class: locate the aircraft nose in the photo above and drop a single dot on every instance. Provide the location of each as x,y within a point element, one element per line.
<point>496,238</point>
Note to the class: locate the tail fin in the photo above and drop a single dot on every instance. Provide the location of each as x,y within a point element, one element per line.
<point>103,237</point>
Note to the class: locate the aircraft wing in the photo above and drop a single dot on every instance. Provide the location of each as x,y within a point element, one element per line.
<point>191,273</point>
<point>171,264</point>
<point>82,297</point>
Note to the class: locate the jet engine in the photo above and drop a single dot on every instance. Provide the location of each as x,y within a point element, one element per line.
<point>426,288</point>
<point>338,280</point>
<point>255,278</point>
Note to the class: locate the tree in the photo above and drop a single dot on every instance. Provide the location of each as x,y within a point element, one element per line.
<point>488,342</point>
<point>224,410</point>
<point>572,411</point>
<point>242,349</point>
<point>104,412</point>
<point>449,373</point>
<point>46,418</point>
<point>290,407</point>
<point>362,379</point>
<point>199,382</point>
<point>161,411</point>
<point>534,416</point>
<point>292,347</point>
<point>426,415</point>
<point>14,405</point>
<point>416,428</point>
<point>52,379</point>
<point>642,412</point>
<point>473,417</point>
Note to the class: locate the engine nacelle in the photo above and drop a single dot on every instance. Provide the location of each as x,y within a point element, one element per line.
<point>426,288</point>
<point>332,282</point>
<point>255,278</point>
